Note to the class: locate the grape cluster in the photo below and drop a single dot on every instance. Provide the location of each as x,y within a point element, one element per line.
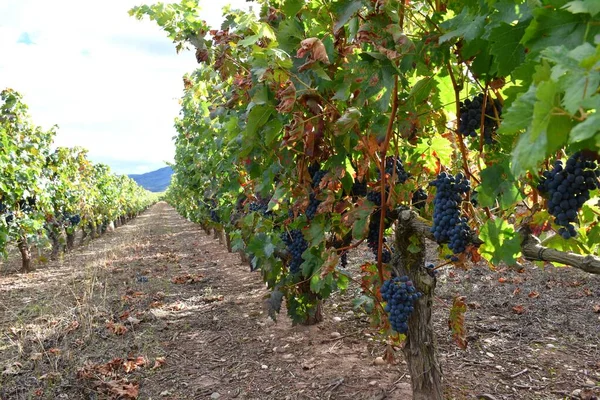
<point>448,226</point>
<point>419,198</point>
<point>316,175</point>
<point>373,234</point>
<point>359,188</point>
<point>296,245</point>
<point>400,295</point>
<point>470,117</point>
<point>75,219</point>
<point>401,174</point>
<point>567,188</point>
<point>258,207</point>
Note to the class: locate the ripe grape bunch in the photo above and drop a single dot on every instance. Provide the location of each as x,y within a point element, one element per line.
<point>448,225</point>
<point>419,198</point>
<point>470,117</point>
<point>316,175</point>
<point>373,234</point>
<point>258,207</point>
<point>400,295</point>
<point>567,188</point>
<point>296,245</point>
<point>401,174</point>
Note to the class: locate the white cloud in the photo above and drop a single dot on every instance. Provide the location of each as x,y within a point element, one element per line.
<point>110,82</point>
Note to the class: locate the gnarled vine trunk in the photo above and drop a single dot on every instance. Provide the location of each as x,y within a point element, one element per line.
<point>55,245</point>
<point>23,246</point>
<point>420,348</point>
<point>70,241</point>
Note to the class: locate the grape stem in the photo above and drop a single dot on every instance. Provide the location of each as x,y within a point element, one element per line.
<point>386,145</point>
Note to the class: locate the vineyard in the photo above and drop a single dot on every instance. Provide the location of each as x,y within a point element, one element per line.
<point>417,183</point>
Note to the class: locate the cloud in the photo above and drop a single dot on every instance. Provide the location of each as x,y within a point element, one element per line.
<point>110,82</point>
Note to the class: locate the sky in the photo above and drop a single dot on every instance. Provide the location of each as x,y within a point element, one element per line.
<point>109,81</point>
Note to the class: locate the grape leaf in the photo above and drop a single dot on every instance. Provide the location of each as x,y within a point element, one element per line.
<point>501,242</point>
<point>506,47</point>
<point>456,321</point>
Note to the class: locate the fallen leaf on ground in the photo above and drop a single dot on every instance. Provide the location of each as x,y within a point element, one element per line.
<point>519,309</point>
<point>186,278</point>
<point>117,329</point>
<point>72,326</point>
<point>123,389</point>
<point>158,362</point>
<point>596,308</point>
<point>533,295</point>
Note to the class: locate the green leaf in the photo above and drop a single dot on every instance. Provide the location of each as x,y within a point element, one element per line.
<point>345,9</point>
<point>257,117</point>
<point>347,121</point>
<point>506,47</point>
<point>586,129</point>
<point>501,242</point>
<point>591,7</point>
<point>519,115</point>
<point>466,25</point>
<point>292,7</point>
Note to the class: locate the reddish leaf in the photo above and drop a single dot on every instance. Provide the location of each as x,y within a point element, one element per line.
<point>456,322</point>
<point>519,309</point>
<point>501,280</point>
<point>123,389</point>
<point>533,295</point>
<point>158,362</point>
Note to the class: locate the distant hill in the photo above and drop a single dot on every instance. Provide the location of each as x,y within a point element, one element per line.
<point>155,181</point>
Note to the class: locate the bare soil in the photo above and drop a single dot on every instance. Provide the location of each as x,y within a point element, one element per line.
<point>157,309</point>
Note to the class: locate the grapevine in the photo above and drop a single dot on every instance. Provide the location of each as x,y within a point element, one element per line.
<point>400,295</point>
<point>567,188</point>
<point>448,225</point>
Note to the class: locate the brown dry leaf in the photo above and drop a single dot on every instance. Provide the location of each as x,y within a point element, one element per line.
<point>124,315</point>
<point>519,309</point>
<point>516,291</point>
<point>501,280</point>
<point>54,350</point>
<point>287,98</point>
<point>158,362</point>
<point>315,48</point>
<point>186,278</point>
<point>332,262</point>
<point>156,304</point>
<point>133,364</point>
<point>212,299</point>
<point>72,326</point>
<point>36,356</point>
<point>533,295</point>
<point>123,389</point>
<point>456,322</point>
<point>596,308</point>
<point>117,329</point>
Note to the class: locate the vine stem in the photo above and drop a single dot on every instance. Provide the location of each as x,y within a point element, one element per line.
<point>461,144</point>
<point>386,145</point>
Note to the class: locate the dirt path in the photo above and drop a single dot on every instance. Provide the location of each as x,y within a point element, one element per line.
<point>159,310</point>
<point>72,330</point>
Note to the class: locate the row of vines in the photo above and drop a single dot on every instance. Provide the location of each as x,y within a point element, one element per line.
<point>310,127</point>
<point>48,193</point>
